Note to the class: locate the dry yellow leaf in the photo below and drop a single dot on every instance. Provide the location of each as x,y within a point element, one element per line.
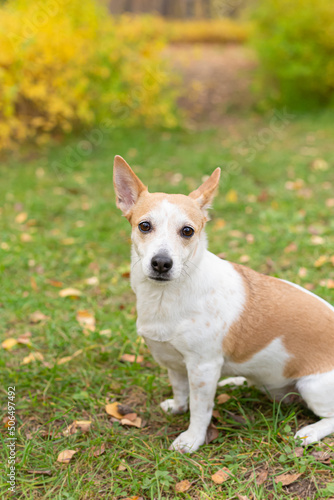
<point>302,273</point>
<point>321,261</point>
<point>26,237</point>
<point>286,479</point>
<point>86,319</point>
<point>65,456</point>
<point>33,356</point>
<point>317,240</point>
<point>21,217</point>
<point>244,258</point>
<point>83,425</point>
<point>221,476</point>
<point>330,203</point>
<point>112,409</point>
<point>69,292</point>
<point>132,423</point>
<point>182,486</point>
<point>65,359</point>
<point>232,196</point>
<point>68,241</point>
<point>8,344</point>
<point>38,316</point>
<point>223,398</point>
<point>98,450</point>
<point>94,280</point>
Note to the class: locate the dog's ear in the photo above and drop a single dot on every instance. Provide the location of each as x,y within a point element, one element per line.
<point>127,185</point>
<point>206,192</point>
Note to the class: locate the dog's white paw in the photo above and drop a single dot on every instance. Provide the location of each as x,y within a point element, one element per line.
<point>308,435</point>
<point>169,406</point>
<point>236,381</point>
<point>187,443</point>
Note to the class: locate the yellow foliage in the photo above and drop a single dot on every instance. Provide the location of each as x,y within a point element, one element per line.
<point>66,64</point>
<point>206,31</point>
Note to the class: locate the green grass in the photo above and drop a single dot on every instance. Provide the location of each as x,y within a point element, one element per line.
<point>255,215</point>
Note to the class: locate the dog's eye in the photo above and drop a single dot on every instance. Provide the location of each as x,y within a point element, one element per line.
<point>145,227</point>
<point>187,231</point>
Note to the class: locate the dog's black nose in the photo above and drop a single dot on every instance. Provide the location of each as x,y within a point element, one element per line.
<point>161,263</point>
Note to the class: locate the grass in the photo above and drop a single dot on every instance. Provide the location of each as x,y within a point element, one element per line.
<point>262,216</point>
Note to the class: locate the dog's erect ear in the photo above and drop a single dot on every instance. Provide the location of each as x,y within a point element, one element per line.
<point>206,192</point>
<point>127,185</point>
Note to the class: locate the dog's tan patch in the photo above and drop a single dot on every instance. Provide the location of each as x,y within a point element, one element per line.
<point>148,201</point>
<point>277,309</point>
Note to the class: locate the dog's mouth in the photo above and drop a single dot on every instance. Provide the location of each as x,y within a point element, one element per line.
<point>159,278</point>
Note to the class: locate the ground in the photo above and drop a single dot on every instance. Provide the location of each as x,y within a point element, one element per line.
<point>60,229</point>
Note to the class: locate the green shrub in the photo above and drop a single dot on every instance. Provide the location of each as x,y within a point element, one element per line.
<point>67,64</point>
<point>295,43</point>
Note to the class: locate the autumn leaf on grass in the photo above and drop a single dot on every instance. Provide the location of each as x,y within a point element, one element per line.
<point>131,358</point>
<point>65,456</point>
<point>286,479</point>
<point>45,472</point>
<point>223,398</point>
<point>232,196</point>
<point>8,344</point>
<point>24,338</point>
<point>137,422</point>
<point>83,425</point>
<point>182,486</point>
<point>65,359</point>
<point>21,218</point>
<point>221,475</point>
<point>98,450</point>
<point>37,317</point>
<point>211,434</point>
<point>321,261</point>
<point>94,280</point>
<point>73,293</point>
<point>86,320</point>
<point>112,410</point>
<point>261,477</point>
<point>33,356</point>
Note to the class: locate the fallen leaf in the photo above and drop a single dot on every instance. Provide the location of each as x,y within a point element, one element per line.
<point>244,258</point>
<point>302,273</point>
<point>70,292</point>
<point>86,319</point>
<point>219,224</point>
<point>182,486</point>
<point>65,359</point>
<point>106,332</point>
<point>132,423</point>
<point>320,164</point>
<point>33,356</point>
<point>232,196</point>
<point>299,451</point>
<point>24,338</point>
<point>37,317</point>
<point>322,456</point>
<point>84,425</point>
<point>8,344</point>
<point>261,477</point>
<point>211,434</point>
<point>112,409</point>
<point>121,467</point>
<point>26,237</point>
<point>317,240</point>
<point>242,497</point>
<point>68,241</point>
<point>94,280</point>
<point>55,283</point>
<point>223,398</point>
<point>291,248</point>
<point>221,475</point>
<point>65,456</point>
<point>287,479</point>
<point>330,203</point>
<point>131,358</point>
<point>22,217</point>
<point>130,416</point>
<point>33,284</point>
<point>321,261</point>
<point>98,450</point>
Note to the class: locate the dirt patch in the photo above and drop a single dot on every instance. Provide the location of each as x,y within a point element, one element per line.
<point>216,81</point>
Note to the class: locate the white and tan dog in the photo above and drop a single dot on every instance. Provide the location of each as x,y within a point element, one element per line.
<point>203,317</point>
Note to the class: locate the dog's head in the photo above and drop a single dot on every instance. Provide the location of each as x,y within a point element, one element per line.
<point>167,229</point>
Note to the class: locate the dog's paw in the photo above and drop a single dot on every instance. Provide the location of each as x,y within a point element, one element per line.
<point>234,381</point>
<point>169,406</point>
<point>186,443</point>
<point>308,435</point>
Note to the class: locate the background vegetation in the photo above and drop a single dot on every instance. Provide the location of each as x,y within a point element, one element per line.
<point>78,86</point>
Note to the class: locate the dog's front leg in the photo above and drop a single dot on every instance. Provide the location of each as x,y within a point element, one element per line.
<point>180,384</point>
<point>203,379</point>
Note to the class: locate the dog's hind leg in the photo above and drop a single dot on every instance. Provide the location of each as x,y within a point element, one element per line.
<point>180,384</point>
<point>318,392</point>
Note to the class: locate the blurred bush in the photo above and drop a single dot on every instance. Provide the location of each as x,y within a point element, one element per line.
<point>206,31</point>
<point>295,44</point>
<point>66,64</point>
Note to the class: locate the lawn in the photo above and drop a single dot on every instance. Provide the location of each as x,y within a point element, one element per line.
<point>60,229</point>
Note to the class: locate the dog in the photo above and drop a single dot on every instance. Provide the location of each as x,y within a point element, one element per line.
<point>204,318</point>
